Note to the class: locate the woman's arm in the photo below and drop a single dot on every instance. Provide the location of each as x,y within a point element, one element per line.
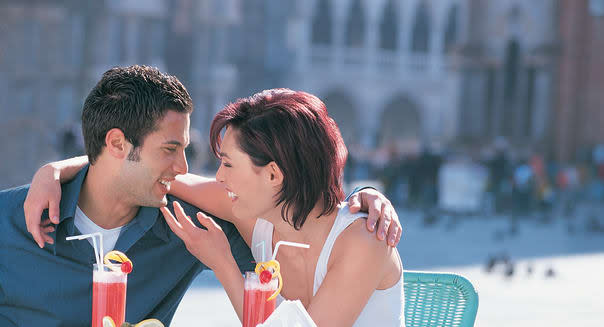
<point>45,192</point>
<point>212,248</point>
<point>233,283</point>
<point>357,267</point>
<point>205,193</point>
<point>209,195</point>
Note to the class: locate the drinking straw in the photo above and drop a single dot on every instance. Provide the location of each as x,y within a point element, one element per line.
<point>98,253</point>
<point>299,245</point>
<point>263,256</point>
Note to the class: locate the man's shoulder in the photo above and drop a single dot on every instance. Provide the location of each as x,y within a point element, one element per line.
<point>11,207</point>
<point>13,197</point>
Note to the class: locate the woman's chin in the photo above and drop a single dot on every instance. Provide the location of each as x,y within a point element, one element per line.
<point>243,213</point>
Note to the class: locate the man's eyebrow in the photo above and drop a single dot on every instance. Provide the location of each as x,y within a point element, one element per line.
<point>177,143</point>
<point>222,154</point>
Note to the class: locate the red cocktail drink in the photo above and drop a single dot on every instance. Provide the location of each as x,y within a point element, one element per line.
<point>256,308</point>
<point>108,295</point>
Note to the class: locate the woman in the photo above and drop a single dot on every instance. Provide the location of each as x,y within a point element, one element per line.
<point>282,158</point>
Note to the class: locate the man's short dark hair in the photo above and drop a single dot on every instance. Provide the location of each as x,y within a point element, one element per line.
<point>133,99</point>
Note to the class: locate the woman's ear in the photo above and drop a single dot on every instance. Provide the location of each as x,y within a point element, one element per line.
<point>275,175</point>
<point>116,143</point>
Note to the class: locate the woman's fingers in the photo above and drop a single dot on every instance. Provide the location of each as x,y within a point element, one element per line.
<point>207,222</point>
<point>180,213</point>
<point>174,225</point>
<point>184,220</point>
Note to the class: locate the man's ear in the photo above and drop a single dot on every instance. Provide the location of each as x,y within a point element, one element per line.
<point>274,173</point>
<point>116,143</point>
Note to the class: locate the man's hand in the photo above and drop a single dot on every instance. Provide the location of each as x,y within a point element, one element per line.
<point>44,193</point>
<point>380,211</point>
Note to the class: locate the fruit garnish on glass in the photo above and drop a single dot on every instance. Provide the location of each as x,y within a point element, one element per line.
<point>119,257</point>
<point>267,271</point>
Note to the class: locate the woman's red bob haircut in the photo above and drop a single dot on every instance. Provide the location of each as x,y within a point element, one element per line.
<point>292,129</point>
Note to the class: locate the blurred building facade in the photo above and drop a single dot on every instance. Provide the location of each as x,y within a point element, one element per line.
<point>509,66</point>
<point>53,52</point>
<point>41,73</point>
<point>387,70</point>
<point>402,72</point>
<point>580,98</point>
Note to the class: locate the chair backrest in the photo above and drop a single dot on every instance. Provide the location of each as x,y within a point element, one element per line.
<point>439,299</point>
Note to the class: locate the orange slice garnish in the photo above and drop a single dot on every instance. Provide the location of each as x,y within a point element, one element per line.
<point>115,256</point>
<point>275,269</point>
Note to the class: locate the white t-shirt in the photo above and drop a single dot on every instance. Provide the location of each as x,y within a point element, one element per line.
<point>87,226</point>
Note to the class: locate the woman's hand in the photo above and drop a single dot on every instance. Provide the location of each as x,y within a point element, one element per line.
<point>44,193</point>
<point>212,248</point>
<point>209,246</point>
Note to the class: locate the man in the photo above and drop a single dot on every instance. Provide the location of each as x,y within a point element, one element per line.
<point>136,127</point>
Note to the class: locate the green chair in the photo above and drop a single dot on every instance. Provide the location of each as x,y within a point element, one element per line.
<point>439,299</point>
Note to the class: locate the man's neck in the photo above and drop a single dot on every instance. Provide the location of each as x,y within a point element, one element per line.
<point>102,202</point>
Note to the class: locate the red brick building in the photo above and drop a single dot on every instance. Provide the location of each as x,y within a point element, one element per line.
<point>578,123</point>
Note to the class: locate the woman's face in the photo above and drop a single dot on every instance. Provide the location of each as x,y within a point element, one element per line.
<point>249,186</point>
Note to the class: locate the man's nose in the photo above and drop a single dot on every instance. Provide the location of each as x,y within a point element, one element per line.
<point>181,166</point>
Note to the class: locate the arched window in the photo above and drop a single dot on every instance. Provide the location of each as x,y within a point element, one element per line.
<point>321,24</point>
<point>400,121</point>
<point>451,29</point>
<point>355,26</point>
<point>510,79</point>
<point>421,30</point>
<point>389,27</point>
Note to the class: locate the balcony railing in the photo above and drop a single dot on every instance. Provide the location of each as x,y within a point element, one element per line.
<point>380,60</point>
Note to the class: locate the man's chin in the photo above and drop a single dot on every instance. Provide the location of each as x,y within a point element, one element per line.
<point>156,203</point>
<point>163,202</point>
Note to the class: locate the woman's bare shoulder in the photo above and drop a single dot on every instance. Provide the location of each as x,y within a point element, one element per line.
<point>357,242</point>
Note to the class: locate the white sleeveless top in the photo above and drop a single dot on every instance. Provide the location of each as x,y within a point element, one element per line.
<point>384,308</point>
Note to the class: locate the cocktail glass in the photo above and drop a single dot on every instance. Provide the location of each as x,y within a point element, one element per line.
<point>256,306</point>
<point>108,294</point>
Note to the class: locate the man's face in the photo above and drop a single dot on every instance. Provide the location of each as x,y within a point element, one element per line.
<point>161,157</point>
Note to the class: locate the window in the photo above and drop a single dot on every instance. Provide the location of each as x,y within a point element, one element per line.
<point>388,27</point>
<point>122,38</point>
<point>76,45</point>
<point>65,103</point>
<point>490,102</point>
<point>420,41</point>
<point>321,24</point>
<point>451,29</point>
<point>355,27</point>
<point>530,102</point>
<point>512,67</point>
<point>24,99</point>
<point>31,43</point>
